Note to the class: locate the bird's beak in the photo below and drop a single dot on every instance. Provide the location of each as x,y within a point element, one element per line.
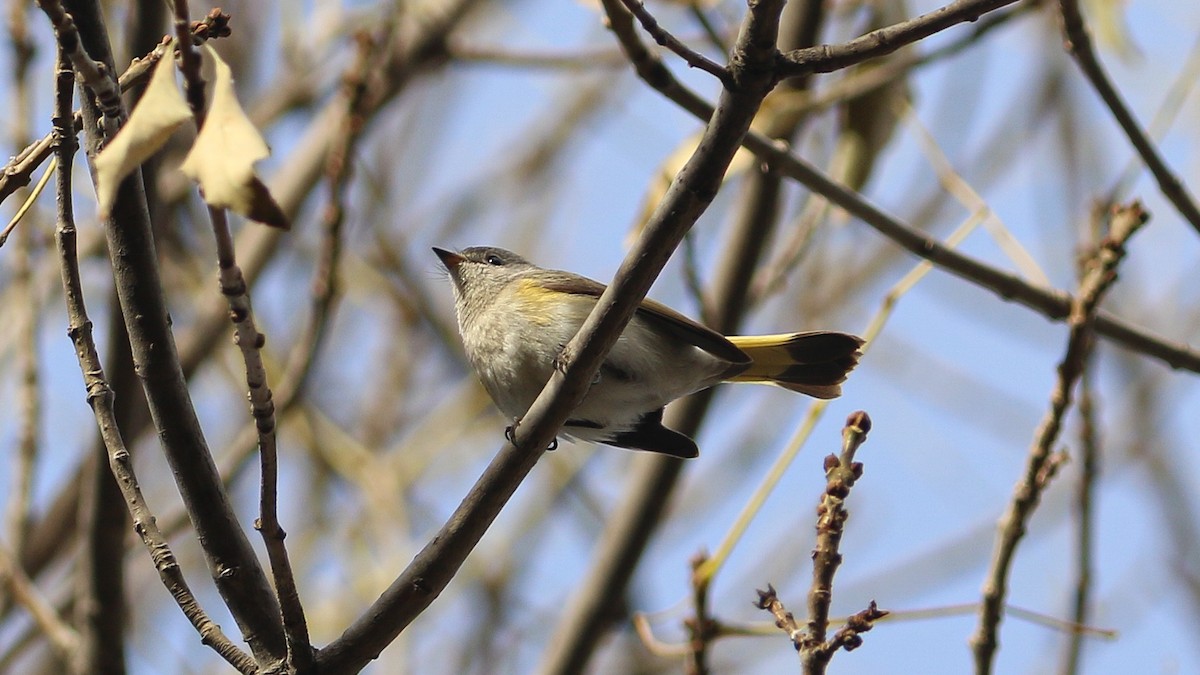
<point>449,258</point>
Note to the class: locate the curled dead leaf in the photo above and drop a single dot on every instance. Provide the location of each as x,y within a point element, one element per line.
<point>222,159</point>
<point>158,114</point>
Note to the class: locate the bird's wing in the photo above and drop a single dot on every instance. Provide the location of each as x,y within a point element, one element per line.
<point>650,434</point>
<point>662,317</point>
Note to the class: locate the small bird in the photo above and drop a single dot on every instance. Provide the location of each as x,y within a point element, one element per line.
<point>515,318</point>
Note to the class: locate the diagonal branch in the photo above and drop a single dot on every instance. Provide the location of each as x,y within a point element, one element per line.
<point>689,195</point>
<point>1079,43</point>
<point>62,637</point>
<point>828,58</point>
<point>664,38</point>
<point>1052,303</point>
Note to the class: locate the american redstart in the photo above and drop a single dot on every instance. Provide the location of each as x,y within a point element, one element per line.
<point>515,318</point>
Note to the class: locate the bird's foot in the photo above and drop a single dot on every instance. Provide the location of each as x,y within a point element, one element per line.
<point>510,436</point>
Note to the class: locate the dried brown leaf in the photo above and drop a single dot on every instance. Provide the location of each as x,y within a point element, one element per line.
<point>222,159</point>
<point>158,114</point>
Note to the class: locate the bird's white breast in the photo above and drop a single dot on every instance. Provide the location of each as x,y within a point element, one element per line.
<point>513,345</point>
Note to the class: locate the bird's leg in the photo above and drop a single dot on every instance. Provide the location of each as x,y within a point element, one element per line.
<point>562,360</point>
<point>510,435</point>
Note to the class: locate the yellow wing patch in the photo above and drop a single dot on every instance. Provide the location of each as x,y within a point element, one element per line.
<point>536,302</point>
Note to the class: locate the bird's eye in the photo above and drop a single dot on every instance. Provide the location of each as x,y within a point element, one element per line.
<point>493,259</point>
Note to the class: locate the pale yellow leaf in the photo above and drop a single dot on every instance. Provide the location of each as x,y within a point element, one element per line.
<point>158,114</point>
<point>869,120</point>
<point>672,165</point>
<point>1108,21</point>
<point>222,159</point>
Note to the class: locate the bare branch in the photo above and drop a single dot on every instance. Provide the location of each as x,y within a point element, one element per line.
<point>1053,304</point>
<point>1041,463</point>
<point>250,342</point>
<point>232,563</point>
<point>64,639</point>
<point>664,38</point>
<point>841,472</point>
<point>1079,44</point>
<point>828,58</point>
<point>100,395</point>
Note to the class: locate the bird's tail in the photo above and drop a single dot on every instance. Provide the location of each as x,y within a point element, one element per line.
<point>814,363</point>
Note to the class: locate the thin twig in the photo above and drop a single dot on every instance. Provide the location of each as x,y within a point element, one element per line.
<point>1089,446</point>
<point>62,637</point>
<point>1079,44</point>
<point>1042,463</point>
<point>785,621</point>
<point>841,472</point>
<point>828,58</point>
<point>701,627</point>
<point>665,39</point>
<point>95,75</point>
<point>864,81</point>
<point>100,395</point>
<point>467,51</point>
<point>27,204</point>
<point>18,508</point>
<point>1052,303</point>
<point>849,636</point>
<point>641,624</point>
<point>250,343</point>
<point>17,171</point>
<point>1017,612</point>
<point>815,650</point>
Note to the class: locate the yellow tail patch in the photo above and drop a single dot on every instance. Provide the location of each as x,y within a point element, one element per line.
<point>813,363</point>
<point>771,354</point>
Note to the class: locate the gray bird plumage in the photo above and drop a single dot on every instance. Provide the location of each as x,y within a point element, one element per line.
<point>515,318</point>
